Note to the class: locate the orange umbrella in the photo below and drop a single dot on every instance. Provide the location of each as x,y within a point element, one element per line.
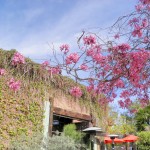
<point>130,138</point>
<point>116,140</point>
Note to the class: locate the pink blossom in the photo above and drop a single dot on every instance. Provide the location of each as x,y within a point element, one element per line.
<point>125,94</point>
<point>127,102</point>
<point>65,48</point>
<point>117,70</point>
<point>2,71</point>
<point>137,31</point>
<point>139,7</point>
<point>84,67</point>
<point>107,67</point>
<point>119,83</point>
<point>114,95</point>
<point>72,58</point>
<point>145,2</point>
<point>148,7</point>
<point>121,48</point>
<point>124,47</point>
<point>138,61</point>
<point>14,85</point>
<point>144,101</point>
<point>45,64</point>
<point>116,36</point>
<point>17,59</point>
<point>103,101</point>
<point>76,92</point>
<point>54,70</point>
<point>90,52</point>
<point>133,21</point>
<point>133,111</point>
<point>96,49</point>
<point>121,103</point>
<point>144,23</point>
<point>146,40</point>
<point>90,87</point>
<point>89,40</point>
<point>99,58</point>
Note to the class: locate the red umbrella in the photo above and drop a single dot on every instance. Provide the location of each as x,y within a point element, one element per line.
<point>116,140</point>
<point>130,138</point>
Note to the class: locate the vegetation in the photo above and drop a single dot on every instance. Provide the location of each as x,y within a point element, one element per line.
<point>70,130</point>
<point>144,140</point>
<point>142,122</point>
<point>35,142</point>
<point>115,64</point>
<point>22,111</point>
<point>110,65</point>
<point>122,125</point>
<point>143,119</point>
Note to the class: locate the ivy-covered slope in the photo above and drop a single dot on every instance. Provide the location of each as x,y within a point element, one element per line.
<point>22,111</point>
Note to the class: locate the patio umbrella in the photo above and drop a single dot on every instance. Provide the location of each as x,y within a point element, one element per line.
<point>130,138</point>
<point>107,140</point>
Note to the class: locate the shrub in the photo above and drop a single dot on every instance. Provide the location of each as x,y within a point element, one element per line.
<point>36,142</point>
<point>70,130</point>
<point>144,142</point>
<point>24,142</point>
<point>62,143</point>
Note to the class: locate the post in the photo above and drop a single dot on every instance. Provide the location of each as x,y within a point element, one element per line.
<point>113,144</point>
<point>51,100</point>
<point>91,142</point>
<point>46,122</point>
<point>46,118</point>
<point>112,137</point>
<point>127,146</point>
<point>95,143</point>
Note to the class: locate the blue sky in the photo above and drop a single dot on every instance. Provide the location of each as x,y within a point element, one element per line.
<point>27,25</point>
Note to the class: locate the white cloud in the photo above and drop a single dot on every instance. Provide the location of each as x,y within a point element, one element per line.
<point>65,30</point>
<point>84,15</point>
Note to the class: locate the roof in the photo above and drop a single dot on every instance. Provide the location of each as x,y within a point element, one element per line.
<point>71,114</point>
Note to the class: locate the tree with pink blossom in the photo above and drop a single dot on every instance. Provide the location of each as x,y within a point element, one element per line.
<point>120,63</point>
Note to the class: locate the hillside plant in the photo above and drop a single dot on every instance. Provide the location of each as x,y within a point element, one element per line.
<point>36,142</point>
<point>23,90</point>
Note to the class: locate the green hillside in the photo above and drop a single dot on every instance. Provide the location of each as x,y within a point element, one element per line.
<point>22,111</point>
